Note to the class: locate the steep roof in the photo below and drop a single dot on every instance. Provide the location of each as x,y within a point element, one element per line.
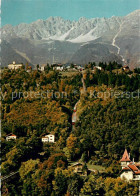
<point>76,164</point>
<point>10,134</point>
<point>125,157</point>
<point>126,168</point>
<point>137,172</point>
<point>133,167</point>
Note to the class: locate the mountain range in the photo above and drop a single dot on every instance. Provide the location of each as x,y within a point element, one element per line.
<point>56,40</point>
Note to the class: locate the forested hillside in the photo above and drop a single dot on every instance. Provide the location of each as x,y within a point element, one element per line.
<point>108,119</point>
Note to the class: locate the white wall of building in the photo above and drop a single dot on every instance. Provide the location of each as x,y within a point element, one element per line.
<point>45,139</point>
<point>58,68</point>
<point>14,66</point>
<point>128,175</point>
<point>51,138</point>
<point>136,177</point>
<point>12,137</point>
<point>48,138</point>
<point>124,164</point>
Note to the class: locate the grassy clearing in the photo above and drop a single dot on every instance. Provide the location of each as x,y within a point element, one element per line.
<point>95,167</point>
<point>69,73</point>
<point>90,166</point>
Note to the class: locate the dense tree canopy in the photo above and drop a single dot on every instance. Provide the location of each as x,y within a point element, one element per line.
<point>36,103</point>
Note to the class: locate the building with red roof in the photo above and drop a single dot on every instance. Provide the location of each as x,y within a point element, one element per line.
<point>125,160</point>
<point>11,136</point>
<point>129,169</point>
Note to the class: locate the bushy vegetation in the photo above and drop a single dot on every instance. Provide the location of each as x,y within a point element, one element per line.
<point>129,83</point>
<point>52,177</point>
<point>104,128</point>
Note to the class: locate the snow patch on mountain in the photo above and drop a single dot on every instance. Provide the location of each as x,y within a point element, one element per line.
<point>85,38</point>
<point>63,37</point>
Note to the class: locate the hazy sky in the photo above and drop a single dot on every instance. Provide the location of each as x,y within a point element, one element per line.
<point>27,11</point>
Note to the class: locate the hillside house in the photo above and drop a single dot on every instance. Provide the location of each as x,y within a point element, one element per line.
<point>58,67</point>
<point>11,136</point>
<point>15,66</point>
<point>79,168</point>
<point>98,67</point>
<point>129,169</point>
<point>42,68</point>
<point>50,138</point>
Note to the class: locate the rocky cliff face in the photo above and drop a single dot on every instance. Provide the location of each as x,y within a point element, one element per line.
<point>59,40</point>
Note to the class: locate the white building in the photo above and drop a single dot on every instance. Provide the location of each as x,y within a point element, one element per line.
<point>79,169</point>
<point>11,136</point>
<point>98,67</point>
<point>49,138</point>
<point>15,66</point>
<point>58,67</point>
<point>129,169</point>
<point>45,139</point>
<point>42,68</point>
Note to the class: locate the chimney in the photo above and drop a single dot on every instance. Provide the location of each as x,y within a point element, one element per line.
<point>133,161</point>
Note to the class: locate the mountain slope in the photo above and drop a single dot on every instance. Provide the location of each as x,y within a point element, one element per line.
<point>97,52</point>
<point>56,40</point>
<point>8,55</point>
<point>128,39</point>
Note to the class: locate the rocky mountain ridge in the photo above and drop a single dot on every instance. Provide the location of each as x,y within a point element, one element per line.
<point>58,40</point>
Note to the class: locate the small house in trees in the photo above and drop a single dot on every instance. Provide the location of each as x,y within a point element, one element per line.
<point>79,168</point>
<point>42,68</point>
<point>129,169</point>
<point>45,139</point>
<point>11,136</point>
<point>98,67</point>
<point>58,67</point>
<point>15,66</point>
<point>49,138</point>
